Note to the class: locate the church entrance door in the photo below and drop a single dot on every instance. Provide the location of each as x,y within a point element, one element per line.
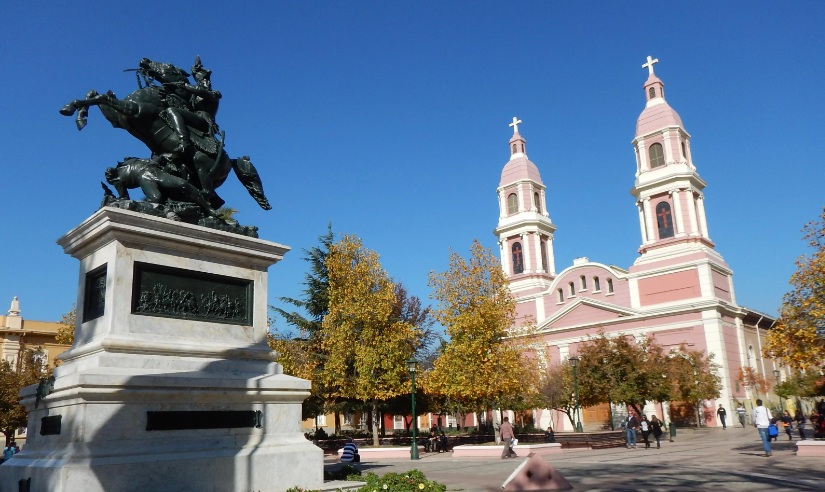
<point>596,417</point>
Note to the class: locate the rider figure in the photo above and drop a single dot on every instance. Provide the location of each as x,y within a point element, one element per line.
<point>204,103</point>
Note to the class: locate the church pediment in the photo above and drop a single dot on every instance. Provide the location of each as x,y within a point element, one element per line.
<point>584,311</point>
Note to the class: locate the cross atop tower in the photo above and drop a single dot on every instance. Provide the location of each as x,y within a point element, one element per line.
<point>516,122</point>
<point>649,64</point>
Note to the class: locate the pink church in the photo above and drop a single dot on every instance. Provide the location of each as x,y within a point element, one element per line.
<point>680,289</point>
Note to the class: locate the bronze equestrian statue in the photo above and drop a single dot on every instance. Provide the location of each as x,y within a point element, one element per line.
<point>176,121</point>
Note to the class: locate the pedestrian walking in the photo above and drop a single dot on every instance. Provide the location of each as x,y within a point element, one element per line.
<point>799,418</point>
<point>8,452</point>
<point>740,409</point>
<point>787,424</point>
<point>656,430</point>
<point>644,425</point>
<point>630,424</point>
<point>722,414</point>
<point>507,436</point>
<point>761,417</point>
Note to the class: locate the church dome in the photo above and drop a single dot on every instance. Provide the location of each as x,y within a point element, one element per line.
<point>517,169</point>
<point>656,117</point>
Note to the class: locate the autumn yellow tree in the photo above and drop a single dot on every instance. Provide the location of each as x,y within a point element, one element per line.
<point>65,332</point>
<point>367,348</point>
<point>29,368</point>
<point>482,362</point>
<point>798,338</point>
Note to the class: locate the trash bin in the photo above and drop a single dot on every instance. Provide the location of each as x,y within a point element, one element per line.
<point>672,431</point>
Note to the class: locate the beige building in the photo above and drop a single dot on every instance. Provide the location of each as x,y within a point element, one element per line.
<point>16,333</point>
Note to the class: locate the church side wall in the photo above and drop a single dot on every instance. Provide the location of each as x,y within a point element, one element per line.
<point>669,287</point>
<point>721,285</point>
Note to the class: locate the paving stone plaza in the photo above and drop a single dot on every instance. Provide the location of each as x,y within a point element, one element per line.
<point>706,459</point>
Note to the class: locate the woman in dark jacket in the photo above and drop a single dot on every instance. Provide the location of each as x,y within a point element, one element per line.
<point>787,420</point>
<point>656,430</point>
<point>800,424</point>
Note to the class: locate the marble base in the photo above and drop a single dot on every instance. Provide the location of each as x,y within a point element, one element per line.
<point>809,447</point>
<point>469,450</point>
<point>124,365</point>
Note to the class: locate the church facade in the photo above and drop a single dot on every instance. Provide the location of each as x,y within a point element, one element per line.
<point>679,290</point>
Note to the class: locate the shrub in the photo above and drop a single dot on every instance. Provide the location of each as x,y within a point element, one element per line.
<point>412,481</point>
<point>347,472</point>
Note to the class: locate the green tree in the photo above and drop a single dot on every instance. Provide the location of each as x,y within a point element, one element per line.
<point>623,370</point>
<point>694,377</point>
<point>65,332</point>
<point>29,368</point>
<point>299,343</point>
<point>798,338</point>
<point>227,213</point>
<point>558,390</point>
<point>367,348</point>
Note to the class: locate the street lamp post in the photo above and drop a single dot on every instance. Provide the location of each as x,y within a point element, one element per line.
<point>776,374</point>
<point>574,361</point>
<point>411,364</point>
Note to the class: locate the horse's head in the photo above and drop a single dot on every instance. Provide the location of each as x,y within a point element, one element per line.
<point>163,72</point>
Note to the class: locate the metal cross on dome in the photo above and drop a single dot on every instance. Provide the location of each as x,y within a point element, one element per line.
<point>516,122</point>
<point>649,64</point>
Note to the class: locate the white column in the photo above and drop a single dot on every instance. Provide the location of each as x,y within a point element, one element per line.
<point>521,207</point>
<point>668,150</point>
<point>537,246</point>
<point>505,265</point>
<point>649,220</point>
<point>640,146</point>
<point>689,154</point>
<point>528,266</point>
<point>700,201</point>
<point>551,258</point>
<point>502,205</point>
<point>694,227</point>
<point>638,161</point>
<point>642,225</point>
<point>677,212</point>
<point>544,204</point>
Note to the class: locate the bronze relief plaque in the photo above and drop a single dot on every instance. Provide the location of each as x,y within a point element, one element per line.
<point>186,294</point>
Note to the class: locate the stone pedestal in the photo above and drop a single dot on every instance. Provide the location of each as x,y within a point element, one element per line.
<point>170,384</point>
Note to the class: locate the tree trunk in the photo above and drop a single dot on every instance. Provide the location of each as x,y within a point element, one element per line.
<point>337,423</point>
<point>698,414</point>
<point>375,423</point>
<point>383,426</point>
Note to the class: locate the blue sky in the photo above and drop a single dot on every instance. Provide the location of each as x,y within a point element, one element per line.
<point>389,119</point>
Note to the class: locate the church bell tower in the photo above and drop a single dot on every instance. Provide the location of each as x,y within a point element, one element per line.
<point>668,189</point>
<point>525,232</point>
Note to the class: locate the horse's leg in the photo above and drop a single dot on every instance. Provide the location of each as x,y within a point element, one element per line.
<point>248,176</point>
<point>123,106</point>
<point>151,189</point>
<point>203,164</point>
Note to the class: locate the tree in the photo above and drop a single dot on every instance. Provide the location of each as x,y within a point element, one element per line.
<point>29,368</point>
<point>694,377</point>
<point>481,363</point>
<point>798,337</point>
<point>623,370</point>
<point>750,378</point>
<point>808,384</point>
<point>227,213</point>
<point>558,390</point>
<point>367,348</point>
<point>65,332</point>
<point>301,353</point>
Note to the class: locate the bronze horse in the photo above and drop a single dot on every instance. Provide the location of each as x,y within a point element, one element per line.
<point>139,113</point>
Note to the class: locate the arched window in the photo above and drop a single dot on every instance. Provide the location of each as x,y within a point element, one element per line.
<point>651,92</point>
<point>514,149</point>
<point>561,295</point>
<point>584,282</point>
<point>512,203</point>
<point>518,258</point>
<point>572,288</point>
<point>657,156</point>
<point>684,154</point>
<point>596,286</point>
<point>543,249</point>
<point>522,148</point>
<point>664,219</point>
<point>751,358</point>
<point>537,202</point>
<point>610,286</point>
